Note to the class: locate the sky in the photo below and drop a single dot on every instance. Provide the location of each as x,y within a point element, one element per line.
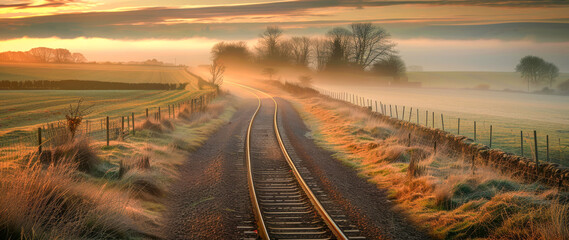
<point>450,35</point>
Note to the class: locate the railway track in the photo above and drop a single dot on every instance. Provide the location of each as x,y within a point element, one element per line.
<point>286,201</point>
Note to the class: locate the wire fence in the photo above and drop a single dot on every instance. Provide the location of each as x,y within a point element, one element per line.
<point>509,138</point>
<point>20,143</point>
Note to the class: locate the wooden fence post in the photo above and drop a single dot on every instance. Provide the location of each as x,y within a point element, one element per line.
<point>159,114</point>
<point>409,142</point>
<point>426,118</point>
<point>146,113</point>
<point>418,116</point>
<point>376,109</point>
<point>122,124</point>
<point>547,149</point>
<point>475,131</point>
<point>433,119</point>
<point>522,142</point>
<point>442,122</point>
<point>458,127</point>
<point>396,112</point>
<point>403,114</point>
<point>133,124</point>
<point>390,111</point>
<point>435,147</point>
<point>490,136</point>
<point>39,141</point>
<point>536,152</point>
<point>107,130</point>
<point>410,113</point>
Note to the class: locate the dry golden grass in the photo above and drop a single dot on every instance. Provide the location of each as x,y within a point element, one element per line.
<point>49,202</point>
<point>86,189</point>
<point>440,191</point>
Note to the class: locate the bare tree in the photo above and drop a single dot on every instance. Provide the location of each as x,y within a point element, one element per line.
<point>217,69</point>
<point>321,54</point>
<point>391,66</point>
<point>78,58</point>
<point>61,55</point>
<point>370,43</point>
<point>339,46</point>
<point>300,50</point>
<point>270,42</point>
<point>42,54</point>
<point>75,115</point>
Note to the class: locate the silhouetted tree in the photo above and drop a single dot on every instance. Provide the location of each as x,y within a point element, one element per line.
<point>217,69</point>
<point>42,54</point>
<point>339,47</point>
<point>370,43</point>
<point>230,52</point>
<point>62,55</point>
<point>269,45</point>
<point>532,69</point>
<point>551,72</point>
<point>391,66</point>
<point>321,54</point>
<point>300,50</point>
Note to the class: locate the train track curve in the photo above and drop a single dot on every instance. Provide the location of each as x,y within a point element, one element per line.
<point>285,204</point>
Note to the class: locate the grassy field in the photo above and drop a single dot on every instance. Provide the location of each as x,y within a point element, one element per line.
<point>96,72</point>
<point>22,110</point>
<point>496,80</point>
<point>97,191</point>
<point>441,192</point>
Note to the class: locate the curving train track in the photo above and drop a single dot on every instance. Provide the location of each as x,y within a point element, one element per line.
<point>286,202</point>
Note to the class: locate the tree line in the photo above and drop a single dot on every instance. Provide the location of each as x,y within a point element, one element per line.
<point>43,55</point>
<point>535,70</point>
<point>361,47</point>
<point>86,85</point>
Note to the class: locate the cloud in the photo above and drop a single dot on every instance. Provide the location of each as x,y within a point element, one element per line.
<point>150,22</point>
<point>28,4</point>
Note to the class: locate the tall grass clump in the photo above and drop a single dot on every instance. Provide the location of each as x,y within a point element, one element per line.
<point>78,151</point>
<point>40,202</point>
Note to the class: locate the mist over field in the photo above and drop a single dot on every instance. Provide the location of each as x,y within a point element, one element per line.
<point>284,119</point>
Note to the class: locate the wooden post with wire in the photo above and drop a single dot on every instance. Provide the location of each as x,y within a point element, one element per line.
<point>108,134</point>
<point>536,152</point>
<point>39,141</point>
<point>133,124</point>
<point>442,122</point>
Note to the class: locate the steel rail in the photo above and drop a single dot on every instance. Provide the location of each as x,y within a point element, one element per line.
<point>315,202</point>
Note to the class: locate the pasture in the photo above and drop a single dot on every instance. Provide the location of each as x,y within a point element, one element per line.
<point>495,80</point>
<point>95,72</point>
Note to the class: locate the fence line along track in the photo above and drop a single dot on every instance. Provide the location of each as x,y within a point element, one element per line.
<point>283,203</point>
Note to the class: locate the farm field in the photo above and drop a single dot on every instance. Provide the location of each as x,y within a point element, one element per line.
<point>507,112</point>
<point>22,110</point>
<point>496,80</point>
<point>95,72</point>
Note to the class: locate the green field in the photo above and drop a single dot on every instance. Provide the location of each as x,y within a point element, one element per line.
<point>496,80</point>
<point>22,110</point>
<point>95,72</point>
